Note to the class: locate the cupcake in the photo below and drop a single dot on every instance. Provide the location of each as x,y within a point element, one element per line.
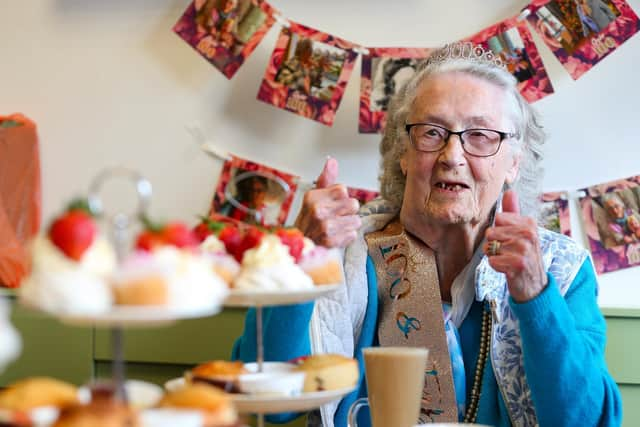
<point>61,284</point>
<point>323,265</point>
<point>178,279</point>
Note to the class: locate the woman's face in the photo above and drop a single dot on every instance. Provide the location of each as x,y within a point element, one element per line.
<point>449,186</point>
<point>615,208</point>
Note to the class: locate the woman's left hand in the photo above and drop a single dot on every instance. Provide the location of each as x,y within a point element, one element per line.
<point>518,255</point>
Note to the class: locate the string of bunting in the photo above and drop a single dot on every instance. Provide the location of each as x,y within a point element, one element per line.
<point>309,69</point>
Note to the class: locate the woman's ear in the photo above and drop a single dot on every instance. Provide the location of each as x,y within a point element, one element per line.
<point>514,168</point>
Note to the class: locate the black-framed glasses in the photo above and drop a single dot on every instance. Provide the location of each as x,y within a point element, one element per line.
<point>428,137</point>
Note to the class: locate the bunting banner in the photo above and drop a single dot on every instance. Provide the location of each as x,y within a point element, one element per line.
<point>253,193</point>
<point>308,73</point>
<point>361,195</point>
<point>512,42</point>
<point>225,32</point>
<point>554,212</point>
<point>582,32</point>
<point>383,71</point>
<point>612,223</point>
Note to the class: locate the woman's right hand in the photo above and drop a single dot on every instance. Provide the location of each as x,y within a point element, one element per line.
<point>328,215</point>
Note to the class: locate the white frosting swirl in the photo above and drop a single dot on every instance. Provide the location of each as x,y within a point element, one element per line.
<point>268,253</point>
<point>191,281</point>
<point>59,284</point>
<point>99,258</point>
<point>270,267</point>
<point>308,246</point>
<point>212,244</point>
<point>66,291</point>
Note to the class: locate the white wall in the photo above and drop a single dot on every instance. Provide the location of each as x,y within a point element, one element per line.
<point>109,83</point>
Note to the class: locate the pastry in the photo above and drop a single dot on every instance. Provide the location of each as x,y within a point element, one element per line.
<point>329,372</point>
<point>218,373</point>
<point>37,392</point>
<point>102,412</point>
<point>216,405</point>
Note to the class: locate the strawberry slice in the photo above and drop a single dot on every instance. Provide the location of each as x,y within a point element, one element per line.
<point>174,233</point>
<point>206,228</point>
<point>74,231</point>
<point>147,240</point>
<point>178,235</point>
<point>232,239</point>
<point>294,239</point>
<point>250,240</point>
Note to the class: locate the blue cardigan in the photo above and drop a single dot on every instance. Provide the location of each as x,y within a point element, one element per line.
<point>563,340</point>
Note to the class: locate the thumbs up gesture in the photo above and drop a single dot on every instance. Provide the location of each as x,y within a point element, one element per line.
<point>513,248</point>
<point>328,215</point>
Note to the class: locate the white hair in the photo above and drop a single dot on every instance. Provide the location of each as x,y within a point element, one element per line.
<point>525,118</point>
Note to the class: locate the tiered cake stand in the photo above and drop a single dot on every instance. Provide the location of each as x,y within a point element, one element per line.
<point>120,317</point>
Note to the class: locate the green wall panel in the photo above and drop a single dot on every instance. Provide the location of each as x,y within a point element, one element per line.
<point>623,348</point>
<point>50,349</point>
<point>186,342</point>
<point>631,405</point>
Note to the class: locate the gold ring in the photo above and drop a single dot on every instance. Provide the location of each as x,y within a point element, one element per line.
<point>494,247</point>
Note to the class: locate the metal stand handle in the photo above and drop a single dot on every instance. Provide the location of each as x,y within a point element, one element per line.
<point>119,225</point>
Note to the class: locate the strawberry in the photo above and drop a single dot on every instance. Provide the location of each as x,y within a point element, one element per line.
<point>231,237</point>
<point>74,231</point>
<point>178,235</point>
<point>250,240</point>
<point>202,231</point>
<point>174,233</point>
<point>207,227</point>
<point>147,240</point>
<point>294,239</point>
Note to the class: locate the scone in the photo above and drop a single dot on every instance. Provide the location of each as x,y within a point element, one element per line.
<point>101,412</point>
<point>218,373</point>
<point>36,392</point>
<point>329,372</point>
<point>215,404</point>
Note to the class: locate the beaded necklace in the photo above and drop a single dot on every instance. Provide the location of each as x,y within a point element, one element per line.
<point>485,336</point>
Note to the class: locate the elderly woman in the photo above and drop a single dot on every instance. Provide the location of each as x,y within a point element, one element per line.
<point>522,341</point>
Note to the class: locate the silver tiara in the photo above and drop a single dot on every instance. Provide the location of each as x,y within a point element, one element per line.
<point>466,51</point>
